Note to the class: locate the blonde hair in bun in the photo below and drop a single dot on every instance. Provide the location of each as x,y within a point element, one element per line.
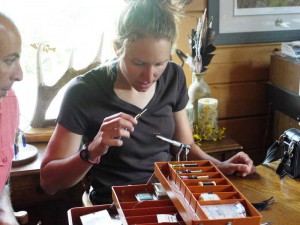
<point>148,18</point>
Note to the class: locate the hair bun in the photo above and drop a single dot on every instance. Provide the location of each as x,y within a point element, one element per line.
<point>162,1</point>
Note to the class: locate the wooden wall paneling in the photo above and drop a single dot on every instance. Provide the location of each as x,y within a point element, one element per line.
<point>252,54</point>
<point>236,76</point>
<point>196,5</point>
<point>243,109</point>
<point>225,73</point>
<point>240,63</point>
<point>282,123</point>
<point>240,99</point>
<point>250,132</point>
<point>284,73</point>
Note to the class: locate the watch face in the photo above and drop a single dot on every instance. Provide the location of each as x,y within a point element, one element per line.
<point>84,154</point>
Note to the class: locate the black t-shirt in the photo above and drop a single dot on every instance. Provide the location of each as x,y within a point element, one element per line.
<point>90,98</point>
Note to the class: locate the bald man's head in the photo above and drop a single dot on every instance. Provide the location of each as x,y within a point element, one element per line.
<point>10,51</point>
<point>6,24</point>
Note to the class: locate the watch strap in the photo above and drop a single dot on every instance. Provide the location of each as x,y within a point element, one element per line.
<point>96,161</point>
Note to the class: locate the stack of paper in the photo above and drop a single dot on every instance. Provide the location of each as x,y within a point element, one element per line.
<point>99,218</point>
<point>291,49</point>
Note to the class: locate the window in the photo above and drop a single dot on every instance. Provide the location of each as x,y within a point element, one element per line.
<point>63,26</point>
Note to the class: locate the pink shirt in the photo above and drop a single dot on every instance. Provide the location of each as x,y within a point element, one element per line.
<point>9,124</point>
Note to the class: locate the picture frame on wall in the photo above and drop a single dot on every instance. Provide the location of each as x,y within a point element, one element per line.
<point>247,22</point>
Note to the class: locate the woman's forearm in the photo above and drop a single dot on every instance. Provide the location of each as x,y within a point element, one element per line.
<point>63,173</point>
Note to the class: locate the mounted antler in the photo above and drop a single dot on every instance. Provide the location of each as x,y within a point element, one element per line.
<point>46,94</point>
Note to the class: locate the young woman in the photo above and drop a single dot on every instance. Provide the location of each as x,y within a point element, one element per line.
<point>99,108</point>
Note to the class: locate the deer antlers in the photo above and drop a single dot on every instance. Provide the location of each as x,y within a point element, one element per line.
<point>46,94</point>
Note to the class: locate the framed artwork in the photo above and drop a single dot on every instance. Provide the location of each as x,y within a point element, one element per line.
<point>255,21</point>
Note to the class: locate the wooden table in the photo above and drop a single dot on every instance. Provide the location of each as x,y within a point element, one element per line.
<point>257,187</point>
<point>32,167</point>
<point>266,183</point>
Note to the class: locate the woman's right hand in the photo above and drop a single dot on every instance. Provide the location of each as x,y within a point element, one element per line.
<point>111,132</point>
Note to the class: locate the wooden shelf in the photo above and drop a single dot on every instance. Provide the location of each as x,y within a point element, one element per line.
<point>25,156</point>
<point>38,134</point>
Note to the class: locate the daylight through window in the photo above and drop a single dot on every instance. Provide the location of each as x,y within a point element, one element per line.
<point>64,26</point>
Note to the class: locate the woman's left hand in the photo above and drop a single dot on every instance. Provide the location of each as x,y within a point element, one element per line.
<point>240,164</point>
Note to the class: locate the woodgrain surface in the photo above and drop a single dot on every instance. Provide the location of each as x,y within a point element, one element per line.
<point>260,186</point>
<point>266,183</point>
<point>237,77</point>
<point>284,73</point>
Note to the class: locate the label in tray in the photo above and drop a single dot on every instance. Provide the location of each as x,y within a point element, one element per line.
<point>100,217</point>
<point>223,211</point>
<point>144,196</point>
<point>166,218</point>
